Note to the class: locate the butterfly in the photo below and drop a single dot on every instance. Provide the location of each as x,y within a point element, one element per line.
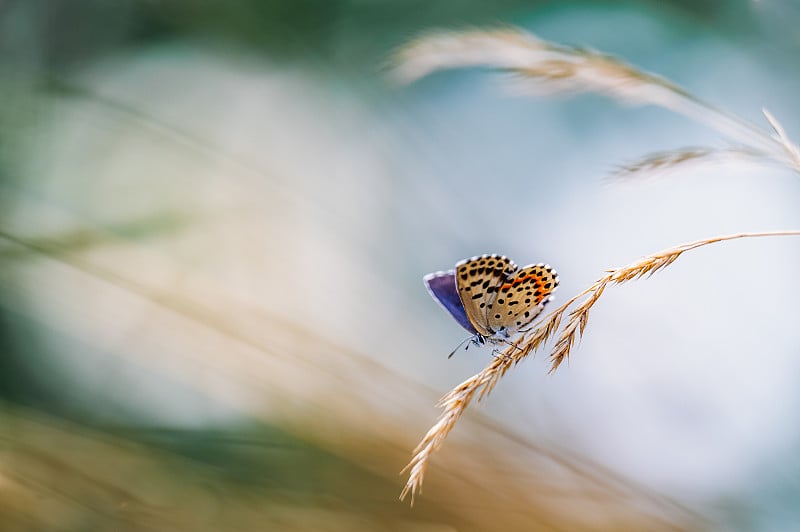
<point>491,297</point>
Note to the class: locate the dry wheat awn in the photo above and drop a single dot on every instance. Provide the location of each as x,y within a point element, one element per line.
<point>536,64</point>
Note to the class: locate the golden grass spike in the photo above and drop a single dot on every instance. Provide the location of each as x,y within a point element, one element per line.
<point>482,383</point>
<point>666,161</point>
<point>536,65</point>
<point>791,148</point>
<point>556,67</point>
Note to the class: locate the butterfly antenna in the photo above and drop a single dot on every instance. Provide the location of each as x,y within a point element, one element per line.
<point>453,352</point>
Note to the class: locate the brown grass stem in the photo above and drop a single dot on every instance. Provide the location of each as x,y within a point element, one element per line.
<point>575,315</point>
<point>535,65</point>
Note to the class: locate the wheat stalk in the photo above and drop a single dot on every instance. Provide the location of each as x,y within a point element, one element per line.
<point>535,64</point>
<point>576,317</point>
<point>669,160</point>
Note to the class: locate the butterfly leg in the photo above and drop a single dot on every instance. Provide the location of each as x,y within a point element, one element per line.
<point>496,353</point>
<point>515,345</point>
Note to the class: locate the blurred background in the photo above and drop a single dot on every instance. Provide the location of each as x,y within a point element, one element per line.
<point>215,218</point>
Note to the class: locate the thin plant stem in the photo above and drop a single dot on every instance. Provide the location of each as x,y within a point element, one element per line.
<point>575,314</point>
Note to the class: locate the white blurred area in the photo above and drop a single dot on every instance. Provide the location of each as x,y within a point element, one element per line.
<point>294,213</point>
<point>269,204</point>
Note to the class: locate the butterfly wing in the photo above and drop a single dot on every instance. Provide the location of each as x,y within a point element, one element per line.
<point>478,280</point>
<point>442,287</point>
<point>522,297</point>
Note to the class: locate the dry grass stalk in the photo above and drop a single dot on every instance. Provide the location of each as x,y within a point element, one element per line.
<point>792,151</point>
<point>655,162</point>
<point>555,67</point>
<point>577,317</point>
<point>658,162</point>
<point>542,66</point>
<point>537,64</point>
<point>644,267</point>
